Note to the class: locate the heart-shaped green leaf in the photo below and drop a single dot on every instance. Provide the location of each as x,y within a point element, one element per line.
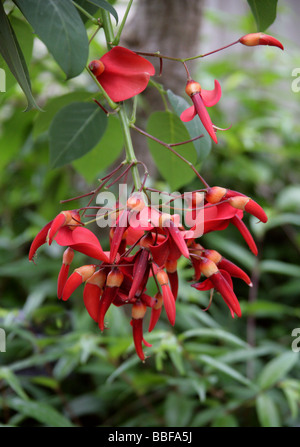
<point>74,131</point>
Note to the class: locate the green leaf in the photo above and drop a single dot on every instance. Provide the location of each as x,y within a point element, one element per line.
<point>194,127</point>
<point>12,135</point>
<point>222,367</point>
<point>13,381</point>
<point>74,131</point>
<point>23,33</point>
<point>88,7</point>
<point>291,389</point>
<point>167,127</point>
<point>59,26</point>
<point>43,120</point>
<point>276,369</point>
<point>39,411</point>
<point>264,12</point>
<point>214,333</point>
<point>279,267</point>
<point>13,56</point>
<point>178,410</point>
<point>288,198</point>
<point>267,411</point>
<point>105,5</point>
<point>104,154</point>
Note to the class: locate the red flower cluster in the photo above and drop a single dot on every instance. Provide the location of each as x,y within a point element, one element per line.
<point>145,243</point>
<point>141,248</point>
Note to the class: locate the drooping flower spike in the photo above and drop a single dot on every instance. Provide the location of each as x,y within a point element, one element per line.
<point>201,99</point>
<point>122,73</point>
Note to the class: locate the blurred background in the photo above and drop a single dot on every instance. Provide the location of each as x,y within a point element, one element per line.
<point>207,370</point>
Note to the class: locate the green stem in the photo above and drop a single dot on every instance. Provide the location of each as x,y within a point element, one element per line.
<point>108,29</point>
<point>124,121</point>
<point>118,35</point>
<point>130,155</point>
<point>89,16</point>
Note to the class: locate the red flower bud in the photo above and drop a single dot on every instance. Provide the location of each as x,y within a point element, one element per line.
<point>192,87</point>
<point>215,194</point>
<point>97,67</point>
<point>254,39</point>
<point>250,206</point>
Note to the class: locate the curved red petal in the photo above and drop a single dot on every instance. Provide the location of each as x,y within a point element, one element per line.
<point>223,287</point>
<point>120,87</point>
<point>40,239</point>
<point>160,252</point>
<point>204,116</point>
<point>211,97</point>
<point>204,285</point>
<point>82,240</point>
<point>57,223</point>
<point>106,300</point>
<point>154,317</point>
<point>234,270</point>
<point>188,114</point>
<point>137,332</point>
<point>91,298</point>
<point>119,231</point>
<point>173,279</point>
<point>237,222</point>
<point>177,237</point>
<point>62,279</point>
<point>72,283</point>
<point>169,303</point>
<point>122,60</point>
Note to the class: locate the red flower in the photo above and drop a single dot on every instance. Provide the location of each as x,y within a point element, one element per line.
<point>68,219</point>
<point>122,73</point>
<point>221,281</point>
<point>201,99</point>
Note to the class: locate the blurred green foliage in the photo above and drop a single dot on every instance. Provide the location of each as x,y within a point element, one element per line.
<point>209,370</point>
